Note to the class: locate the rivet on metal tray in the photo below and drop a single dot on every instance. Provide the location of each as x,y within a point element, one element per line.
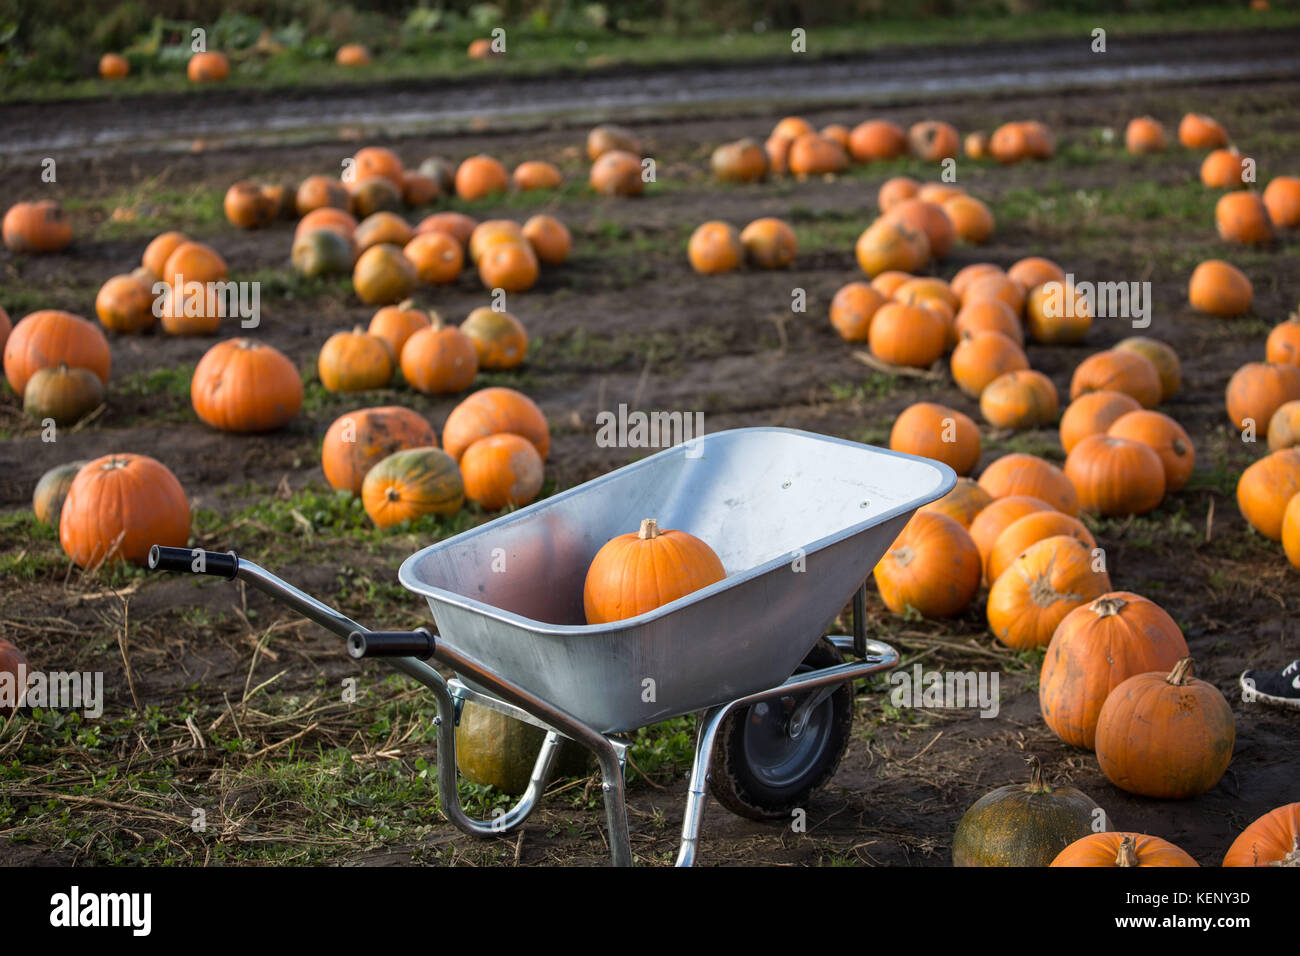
<point>865,504</point>
<point>786,483</point>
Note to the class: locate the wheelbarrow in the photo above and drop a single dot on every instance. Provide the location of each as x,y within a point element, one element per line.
<point>798,519</point>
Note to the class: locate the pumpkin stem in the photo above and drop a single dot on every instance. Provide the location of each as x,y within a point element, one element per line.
<point>392,494</point>
<point>904,555</point>
<point>1036,784</point>
<point>1182,672</point>
<point>1127,855</point>
<point>1107,604</point>
<point>649,529</point>
<point>1292,858</point>
<point>406,305</point>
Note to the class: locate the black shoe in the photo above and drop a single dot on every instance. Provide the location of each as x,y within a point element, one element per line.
<point>1280,688</point>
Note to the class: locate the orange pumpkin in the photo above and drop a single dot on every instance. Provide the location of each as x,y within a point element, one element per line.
<point>328,217</point>
<point>837,133</point>
<point>1028,530</point>
<point>715,247</point>
<point>455,224</point>
<point>1021,474</point>
<point>1143,135</point>
<point>125,304</point>
<point>744,161</point>
<point>1218,288</point>
<point>1033,271</point>
<point>160,249</point>
<point>1118,371</point>
<point>1097,647</point>
<point>248,207</point>
<point>376,161</point>
<point>964,276</point>
<point>877,140</point>
<point>1001,513</point>
<point>118,507</point>
<point>972,220</point>
<point>320,192</point>
<point>1115,476</point>
<point>352,54</point>
<point>436,257</point>
<point>933,141</point>
<point>1056,314</point>
<point>245,386</point>
<point>938,432</point>
<point>966,500</point>
<point>355,361</point>
<point>1163,357</point>
<point>1011,143</point>
<point>494,411</point>
<point>938,193</point>
<point>852,309</point>
<point>419,189</point>
<point>777,149</point>
<point>1282,200</point>
<point>932,568</point>
<point>1093,414</point>
<point>549,238</point>
<point>989,315</point>
<point>1122,849</point>
<point>929,218</point>
<point>479,177</point>
<point>1165,437</point>
<point>1020,399</point>
<point>397,323</point>
<point>1224,169</point>
<point>1272,840</point>
<point>981,357</point>
<point>907,335</point>
<point>381,227</point>
<point>769,243</point>
<point>891,245</point>
<point>383,275</point>
<point>499,338</point>
<point>65,395</point>
<point>488,233</point>
<point>1242,217</point>
<point>536,174</point>
<point>992,285</point>
<point>1266,488</point>
<point>359,440</point>
<point>1042,585</point>
<point>895,190</point>
<point>890,281</point>
<point>500,471</point>
<point>412,483</point>
<point>1283,344</point>
<point>440,361</point>
<point>207,67</point>
<point>1162,736</point>
<point>36,227</point>
<point>114,66</point>
<point>194,262</point>
<point>813,155</point>
<point>1198,131</point>
<point>919,291</point>
<point>637,572</point>
<point>617,173</point>
<point>51,337</point>
<point>1284,427</point>
<point>509,265</point>
<point>608,137</point>
<point>1257,390</point>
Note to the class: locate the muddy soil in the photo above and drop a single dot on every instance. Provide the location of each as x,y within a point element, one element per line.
<point>730,347</point>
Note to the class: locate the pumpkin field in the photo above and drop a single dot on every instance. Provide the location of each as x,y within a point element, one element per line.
<point>419,329</point>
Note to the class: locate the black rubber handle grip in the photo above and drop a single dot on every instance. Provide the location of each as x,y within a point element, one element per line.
<point>418,643</point>
<point>193,561</point>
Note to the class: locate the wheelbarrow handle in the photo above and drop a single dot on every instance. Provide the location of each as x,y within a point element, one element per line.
<point>194,560</point>
<point>418,643</point>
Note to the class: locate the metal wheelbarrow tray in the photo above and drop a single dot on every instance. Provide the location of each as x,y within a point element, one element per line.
<point>799,520</point>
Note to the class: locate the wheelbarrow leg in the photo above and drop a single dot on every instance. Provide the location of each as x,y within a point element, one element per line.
<point>698,791</point>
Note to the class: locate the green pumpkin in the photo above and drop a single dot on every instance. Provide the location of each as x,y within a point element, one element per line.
<point>1024,824</point>
<point>64,394</point>
<point>322,252</point>
<point>500,751</point>
<point>47,500</point>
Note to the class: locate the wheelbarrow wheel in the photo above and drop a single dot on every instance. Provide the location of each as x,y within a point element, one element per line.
<point>760,769</point>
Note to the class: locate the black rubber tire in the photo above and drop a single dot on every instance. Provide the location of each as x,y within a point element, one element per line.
<point>752,792</point>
